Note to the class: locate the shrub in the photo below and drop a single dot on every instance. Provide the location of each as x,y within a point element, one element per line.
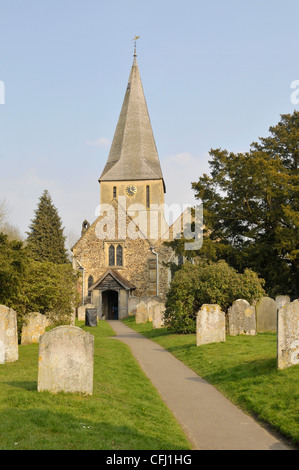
<point>207,283</point>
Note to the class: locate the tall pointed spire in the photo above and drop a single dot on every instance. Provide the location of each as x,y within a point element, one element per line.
<point>133,153</point>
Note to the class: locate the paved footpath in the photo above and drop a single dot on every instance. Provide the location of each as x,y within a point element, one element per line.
<point>210,421</point>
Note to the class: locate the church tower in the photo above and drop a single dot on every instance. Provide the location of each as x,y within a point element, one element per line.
<point>119,268</point>
<point>133,168</point>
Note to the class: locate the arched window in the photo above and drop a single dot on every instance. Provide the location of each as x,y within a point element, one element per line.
<point>147,196</point>
<point>111,255</point>
<point>114,192</point>
<point>119,255</point>
<point>90,283</point>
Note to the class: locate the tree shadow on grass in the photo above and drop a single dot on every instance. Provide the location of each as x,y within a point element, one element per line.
<point>41,429</point>
<point>26,385</point>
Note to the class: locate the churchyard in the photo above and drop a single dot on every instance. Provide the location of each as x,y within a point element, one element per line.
<point>244,356</point>
<point>123,412</point>
<point>105,400</point>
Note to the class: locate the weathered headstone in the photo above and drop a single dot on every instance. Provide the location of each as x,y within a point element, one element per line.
<point>282,300</point>
<point>158,315</point>
<point>210,325</point>
<point>152,302</point>
<point>33,327</point>
<point>9,334</point>
<point>141,313</point>
<point>66,361</point>
<point>91,315</point>
<point>132,305</point>
<point>288,335</point>
<point>81,311</point>
<point>266,315</point>
<point>241,318</point>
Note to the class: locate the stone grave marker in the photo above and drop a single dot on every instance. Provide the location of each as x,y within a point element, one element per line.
<point>282,300</point>
<point>66,361</point>
<point>241,318</point>
<point>132,305</point>
<point>210,325</point>
<point>91,317</point>
<point>141,313</point>
<point>33,327</point>
<point>81,311</point>
<point>158,315</point>
<point>9,334</point>
<point>266,315</point>
<point>288,335</point>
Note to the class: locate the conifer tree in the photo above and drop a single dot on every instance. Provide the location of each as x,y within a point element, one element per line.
<point>46,241</point>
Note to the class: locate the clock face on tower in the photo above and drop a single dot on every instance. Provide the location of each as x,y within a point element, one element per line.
<point>131,190</point>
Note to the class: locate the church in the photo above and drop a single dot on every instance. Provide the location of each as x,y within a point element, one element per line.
<point>122,254</point>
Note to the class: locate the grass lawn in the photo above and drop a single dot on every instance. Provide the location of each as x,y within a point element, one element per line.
<point>244,370</point>
<point>124,412</point>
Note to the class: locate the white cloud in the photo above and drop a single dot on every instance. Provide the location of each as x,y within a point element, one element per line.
<point>101,142</point>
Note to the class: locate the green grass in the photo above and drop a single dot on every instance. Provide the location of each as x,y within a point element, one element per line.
<point>124,412</point>
<point>244,370</point>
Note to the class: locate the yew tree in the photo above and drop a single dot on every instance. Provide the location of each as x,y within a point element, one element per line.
<point>251,204</point>
<point>46,241</point>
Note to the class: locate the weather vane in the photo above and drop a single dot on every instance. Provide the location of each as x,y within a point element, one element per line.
<point>135,40</point>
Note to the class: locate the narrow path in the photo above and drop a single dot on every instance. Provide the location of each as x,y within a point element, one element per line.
<point>210,421</point>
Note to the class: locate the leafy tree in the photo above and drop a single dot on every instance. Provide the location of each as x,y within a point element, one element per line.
<point>46,241</point>
<point>206,283</point>
<point>48,288</point>
<point>12,269</point>
<point>251,204</point>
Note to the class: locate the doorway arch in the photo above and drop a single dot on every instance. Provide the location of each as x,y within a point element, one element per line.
<point>110,306</point>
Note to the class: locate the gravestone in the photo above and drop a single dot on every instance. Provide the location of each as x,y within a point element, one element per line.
<point>152,302</point>
<point>158,315</point>
<point>9,334</point>
<point>66,361</point>
<point>91,315</point>
<point>210,325</point>
<point>141,313</point>
<point>132,305</point>
<point>282,300</point>
<point>33,327</point>
<point>81,311</point>
<point>288,335</point>
<point>266,315</point>
<point>241,318</point>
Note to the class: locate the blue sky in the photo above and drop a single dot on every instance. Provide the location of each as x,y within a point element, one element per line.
<point>215,74</point>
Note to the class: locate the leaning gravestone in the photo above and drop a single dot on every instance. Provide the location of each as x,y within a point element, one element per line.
<point>210,325</point>
<point>288,335</point>
<point>141,313</point>
<point>91,317</point>
<point>33,327</point>
<point>266,315</point>
<point>66,361</point>
<point>241,318</point>
<point>9,334</point>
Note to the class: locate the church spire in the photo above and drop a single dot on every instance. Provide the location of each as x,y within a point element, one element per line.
<point>133,153</point>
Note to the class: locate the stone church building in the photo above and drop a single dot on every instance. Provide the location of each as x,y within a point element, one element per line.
<point>122,253</point>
